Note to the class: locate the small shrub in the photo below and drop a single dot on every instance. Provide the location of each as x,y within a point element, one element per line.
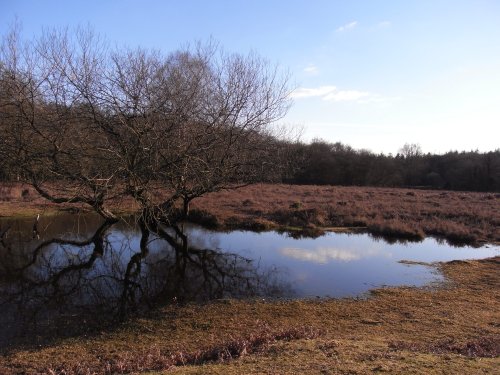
<point>25,194</point>
<point>247,202</point>
<point>298,218</point>
<point>396,229</point>
<point>455,233</point>
<point>203,218</point>
<point>256,225</point>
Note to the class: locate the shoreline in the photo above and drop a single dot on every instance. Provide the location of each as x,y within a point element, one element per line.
<point>461,218</point>
<point>447,328</point>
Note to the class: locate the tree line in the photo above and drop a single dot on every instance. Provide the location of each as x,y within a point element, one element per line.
<point>322,162</point>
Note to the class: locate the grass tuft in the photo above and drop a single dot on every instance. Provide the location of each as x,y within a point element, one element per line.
<point>482,347</point>
<point>154,359</point>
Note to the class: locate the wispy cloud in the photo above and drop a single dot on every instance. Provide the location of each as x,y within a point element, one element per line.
<point>321,91</point>
<point>384,24</point>
<point>347,26</point>
<point>333,94</point>
<point>346,95</point>
<point>311,69</point>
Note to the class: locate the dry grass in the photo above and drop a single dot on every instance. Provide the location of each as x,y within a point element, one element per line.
<point>460,217</point>
<point>486,347</point>
<point>16,192</point>
<point>18,199</point>
<point>452,329</point>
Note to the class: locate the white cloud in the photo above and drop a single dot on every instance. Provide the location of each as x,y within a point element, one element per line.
<point>320,255</point>
<point>321,91</point>
<point>348,26</point>
<point>332,94</point>
<point>311,69</point>
<point>346,95</point>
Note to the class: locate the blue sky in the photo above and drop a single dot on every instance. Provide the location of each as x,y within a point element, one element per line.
<point>372,74</point>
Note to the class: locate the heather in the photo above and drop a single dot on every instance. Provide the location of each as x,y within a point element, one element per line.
<point>460,217</point>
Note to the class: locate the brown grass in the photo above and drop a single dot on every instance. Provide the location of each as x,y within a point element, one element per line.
<point>486,347</point>
<point>452,329</point>
<point>10,191</point>
<point>155,359</point>
<point>460,217</point>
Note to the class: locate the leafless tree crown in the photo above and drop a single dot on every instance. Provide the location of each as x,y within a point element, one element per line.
<point>83,122</point>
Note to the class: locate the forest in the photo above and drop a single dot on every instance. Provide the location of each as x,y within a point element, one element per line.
<point>325,163</point>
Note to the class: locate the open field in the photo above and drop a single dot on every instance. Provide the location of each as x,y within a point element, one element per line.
<point>460,217</point>
<point>451,329</point>
<point>457,216</point>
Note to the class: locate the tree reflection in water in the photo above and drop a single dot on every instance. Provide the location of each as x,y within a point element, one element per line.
<point>55,284</point>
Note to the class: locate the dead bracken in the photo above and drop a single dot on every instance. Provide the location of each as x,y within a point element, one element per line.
<point>459,217</point>
<point>154,359</point>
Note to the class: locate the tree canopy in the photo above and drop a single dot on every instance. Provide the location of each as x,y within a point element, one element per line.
<point>82,122</point>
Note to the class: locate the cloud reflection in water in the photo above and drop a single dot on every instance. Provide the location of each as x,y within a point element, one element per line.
<point>321,255</point>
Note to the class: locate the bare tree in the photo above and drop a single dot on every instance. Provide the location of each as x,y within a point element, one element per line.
<point>413,163</point>
<point>411,150</point>
<point>84,123</point>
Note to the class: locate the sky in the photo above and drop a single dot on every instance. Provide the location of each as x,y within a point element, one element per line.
<point>372,74</point>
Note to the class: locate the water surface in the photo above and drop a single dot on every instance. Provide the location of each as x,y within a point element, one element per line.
<point>69,274</point>
<point>341,264</point>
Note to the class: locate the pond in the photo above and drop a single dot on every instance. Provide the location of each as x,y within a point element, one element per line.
<point>63,270</point>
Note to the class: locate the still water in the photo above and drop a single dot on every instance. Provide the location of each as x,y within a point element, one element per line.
<point>64,270</point>
<point>339,264</point>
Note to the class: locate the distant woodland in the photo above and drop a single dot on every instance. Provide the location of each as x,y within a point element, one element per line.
<point>324,163</point>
